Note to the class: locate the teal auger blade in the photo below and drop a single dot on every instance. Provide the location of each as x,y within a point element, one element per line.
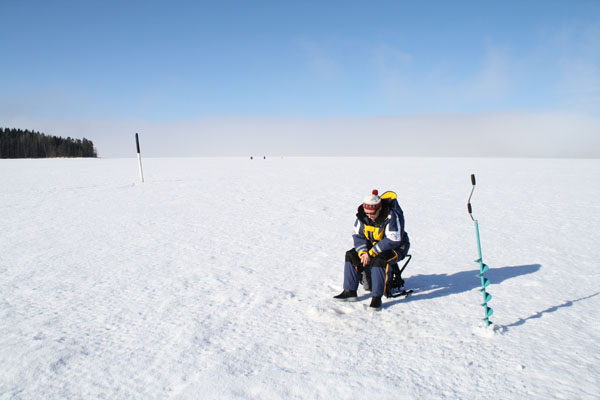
<point>487,321</point>
<point>488,311</point>
<point>485,282</point>
<point>484,269</point>
<point>486,296</point>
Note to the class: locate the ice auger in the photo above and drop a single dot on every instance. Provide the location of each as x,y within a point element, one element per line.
<point>482,267</point>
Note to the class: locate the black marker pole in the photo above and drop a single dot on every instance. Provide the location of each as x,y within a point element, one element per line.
<point>139,157</point>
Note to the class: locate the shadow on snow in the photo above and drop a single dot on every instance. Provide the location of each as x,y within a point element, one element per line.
<point>440,285</point>
<point>569,303</point>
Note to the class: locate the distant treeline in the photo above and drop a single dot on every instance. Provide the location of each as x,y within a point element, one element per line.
<point>18,143</point>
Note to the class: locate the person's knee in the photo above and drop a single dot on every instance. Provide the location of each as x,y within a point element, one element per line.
<point>352,256</point>
<point>380,262</point>
<point>385,258</point>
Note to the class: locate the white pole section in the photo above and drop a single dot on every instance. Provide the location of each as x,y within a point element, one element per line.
<point>139,157</point>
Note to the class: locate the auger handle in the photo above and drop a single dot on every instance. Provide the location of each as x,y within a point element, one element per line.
<point>469,208</point>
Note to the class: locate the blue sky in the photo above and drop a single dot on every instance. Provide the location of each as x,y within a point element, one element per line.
<point>89,67</point>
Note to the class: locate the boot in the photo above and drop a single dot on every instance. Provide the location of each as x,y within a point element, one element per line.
<point>346,295</point>
<point>375,303</point>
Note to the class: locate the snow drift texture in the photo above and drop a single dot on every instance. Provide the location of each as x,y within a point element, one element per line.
<point>214,278</point>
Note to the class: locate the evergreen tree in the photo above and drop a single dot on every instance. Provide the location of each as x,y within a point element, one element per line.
<point>18,143</point>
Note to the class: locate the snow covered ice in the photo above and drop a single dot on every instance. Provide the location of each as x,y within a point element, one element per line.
<point>214,278</point>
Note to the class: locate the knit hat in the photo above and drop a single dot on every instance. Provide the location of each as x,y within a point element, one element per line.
<point>372,201</point>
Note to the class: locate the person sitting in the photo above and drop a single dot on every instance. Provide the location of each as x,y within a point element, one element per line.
<point>379,240</point>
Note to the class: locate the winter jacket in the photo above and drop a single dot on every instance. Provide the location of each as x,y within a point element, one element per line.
<point>384,234</point>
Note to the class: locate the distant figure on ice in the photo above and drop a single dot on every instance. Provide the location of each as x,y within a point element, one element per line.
<point>379,242</point>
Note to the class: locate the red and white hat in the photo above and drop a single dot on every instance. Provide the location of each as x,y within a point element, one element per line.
<point>372,201</point>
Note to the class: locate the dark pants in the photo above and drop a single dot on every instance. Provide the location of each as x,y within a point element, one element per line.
<point>381,271</point>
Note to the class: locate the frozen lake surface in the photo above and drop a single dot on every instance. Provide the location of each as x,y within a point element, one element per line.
<point>214,278</point>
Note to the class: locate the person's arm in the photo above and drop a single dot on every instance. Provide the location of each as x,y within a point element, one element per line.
<point>392,236</point>
<point>361,243</point>
<point>359,238</point>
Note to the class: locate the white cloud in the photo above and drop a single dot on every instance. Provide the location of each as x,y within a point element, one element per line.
<point>575,53</point>
<point>320,61</point>
<point>493,80</point>
<point>393,69</point>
